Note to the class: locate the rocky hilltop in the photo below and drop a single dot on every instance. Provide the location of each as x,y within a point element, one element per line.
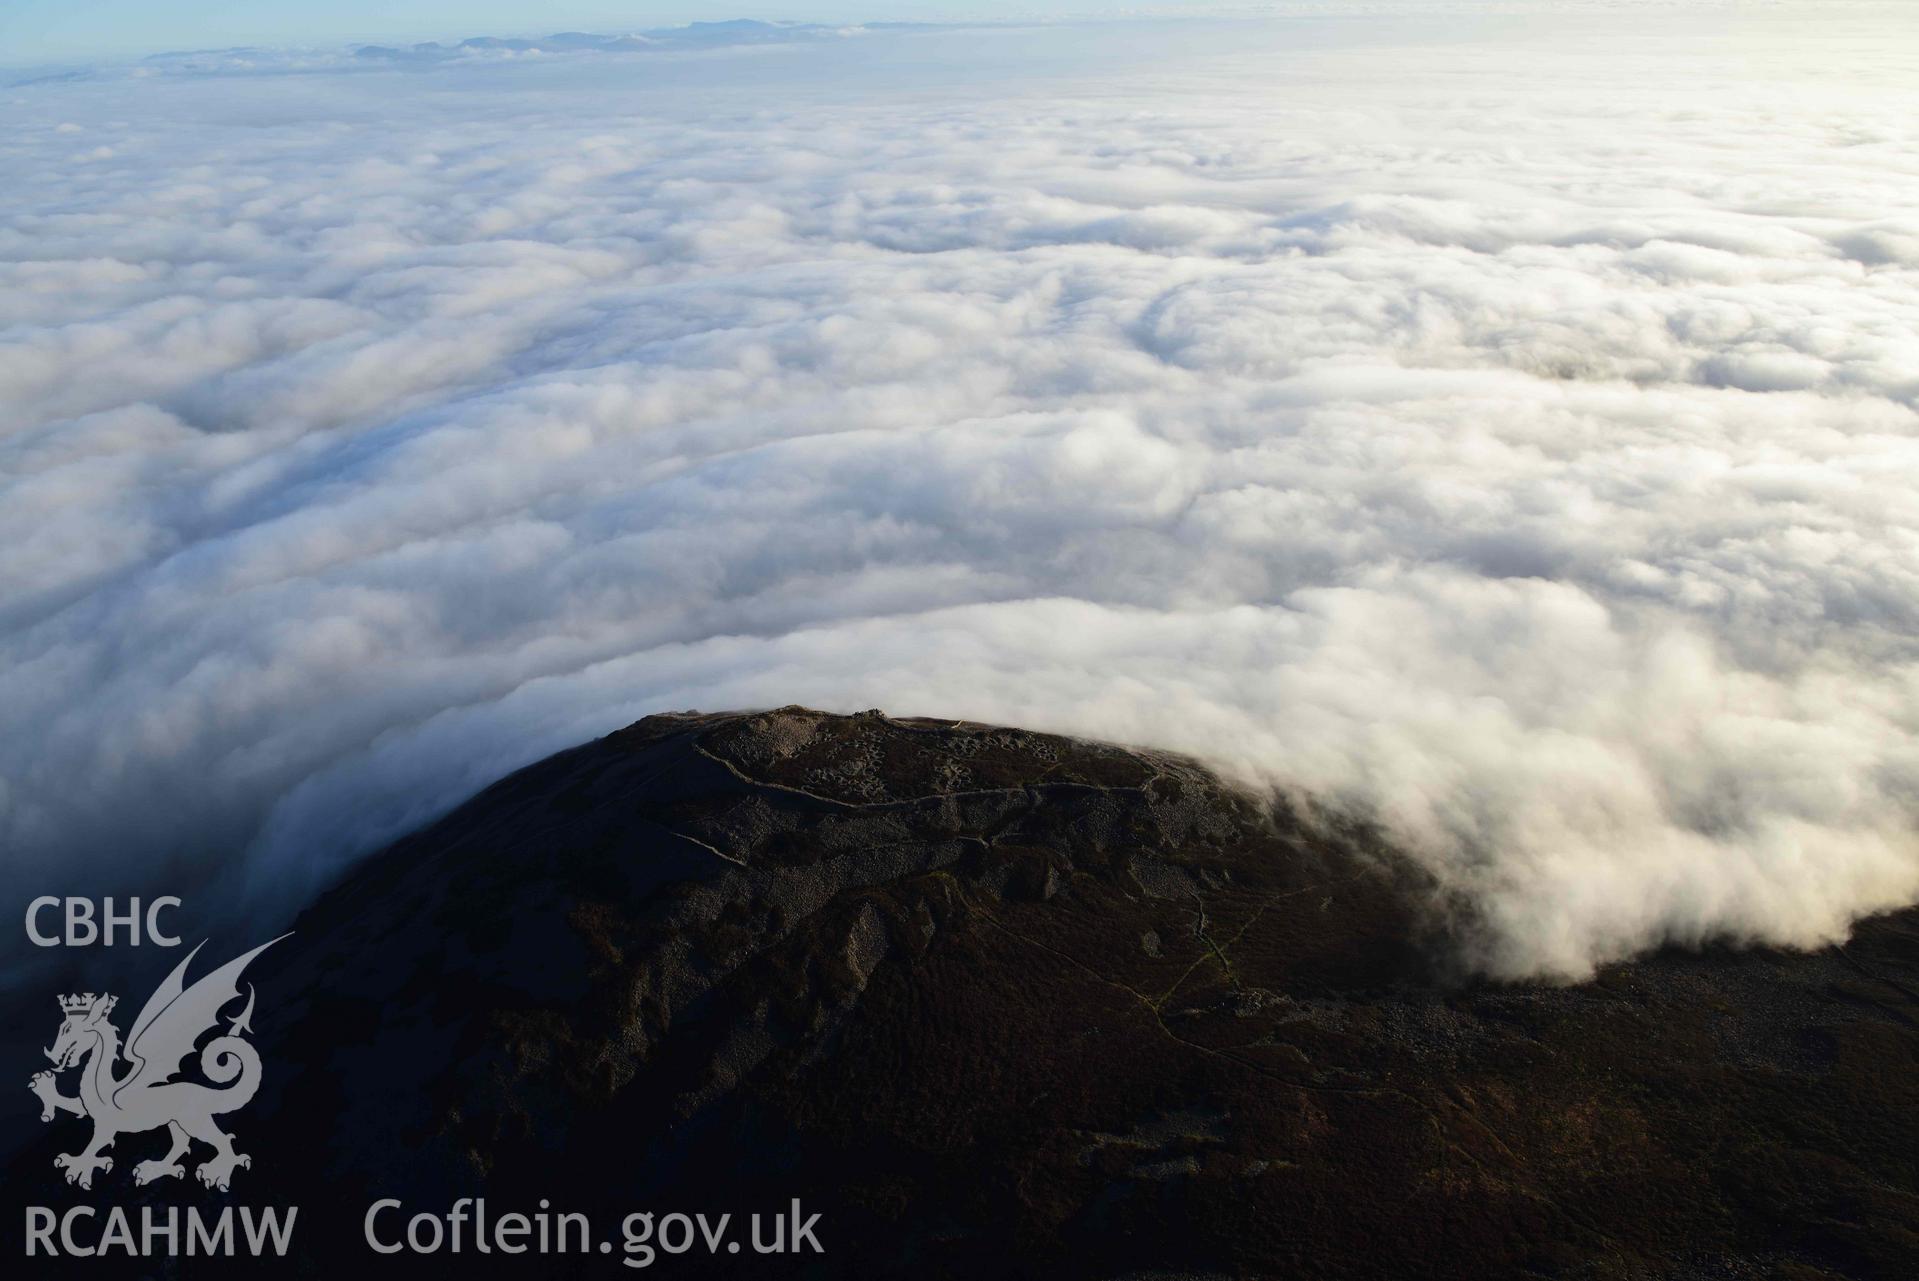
<point>996,1003</point>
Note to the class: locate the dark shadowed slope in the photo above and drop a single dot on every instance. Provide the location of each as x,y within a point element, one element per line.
<point>998,1003</point>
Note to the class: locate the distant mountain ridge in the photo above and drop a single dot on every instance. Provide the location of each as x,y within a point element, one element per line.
<point>694,35</point>
<point>474,50</point>
<point>479,50</point>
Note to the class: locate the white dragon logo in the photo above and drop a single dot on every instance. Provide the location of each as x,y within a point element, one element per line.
<point>146,1098</point>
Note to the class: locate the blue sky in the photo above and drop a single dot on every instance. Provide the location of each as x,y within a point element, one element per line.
<point>38,30</point>
<point>64,29</point>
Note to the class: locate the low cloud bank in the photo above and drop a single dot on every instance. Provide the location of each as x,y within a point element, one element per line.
<point>1508,429</point>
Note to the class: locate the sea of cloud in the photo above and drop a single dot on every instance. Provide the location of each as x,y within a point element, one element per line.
<point>1503,422</point>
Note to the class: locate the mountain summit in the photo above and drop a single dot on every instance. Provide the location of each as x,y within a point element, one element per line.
<point>977,995</point>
